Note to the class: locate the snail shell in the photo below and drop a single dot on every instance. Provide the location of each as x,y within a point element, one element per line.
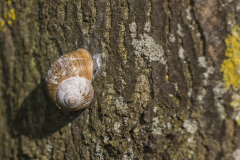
<point>68,81</point>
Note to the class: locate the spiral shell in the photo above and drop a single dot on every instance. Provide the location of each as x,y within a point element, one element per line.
<point>68,81</point>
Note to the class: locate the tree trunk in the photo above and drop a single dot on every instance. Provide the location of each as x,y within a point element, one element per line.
<point>168,89</point>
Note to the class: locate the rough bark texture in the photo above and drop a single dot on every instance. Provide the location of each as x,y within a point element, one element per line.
<point>161,93</point>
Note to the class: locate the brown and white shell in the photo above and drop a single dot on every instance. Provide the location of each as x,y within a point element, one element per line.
<point>68,81</point>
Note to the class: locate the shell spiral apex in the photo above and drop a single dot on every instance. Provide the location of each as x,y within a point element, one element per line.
<point>68,81</point>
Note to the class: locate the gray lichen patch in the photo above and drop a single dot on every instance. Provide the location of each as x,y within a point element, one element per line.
<point>147,27</point>
<point>236,154</point>
<point>219,90</point>
<point>206,75</point>
<point>202,62</point>
<point>99,151</point>
<point>201,95</point>
<point>121,105</point>
<point>116,127</point>
<point>180,30</point>
<point>49,147</point>
<point>191,126</point>
<point>155,127</point>
<point>146,45</point>
<point>181,53</point>
<point>172,38</point>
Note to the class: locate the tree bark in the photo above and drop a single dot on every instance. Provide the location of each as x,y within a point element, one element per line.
<point>168,89</point>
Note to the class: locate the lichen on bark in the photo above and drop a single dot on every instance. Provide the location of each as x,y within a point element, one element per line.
<point>160,93</point>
